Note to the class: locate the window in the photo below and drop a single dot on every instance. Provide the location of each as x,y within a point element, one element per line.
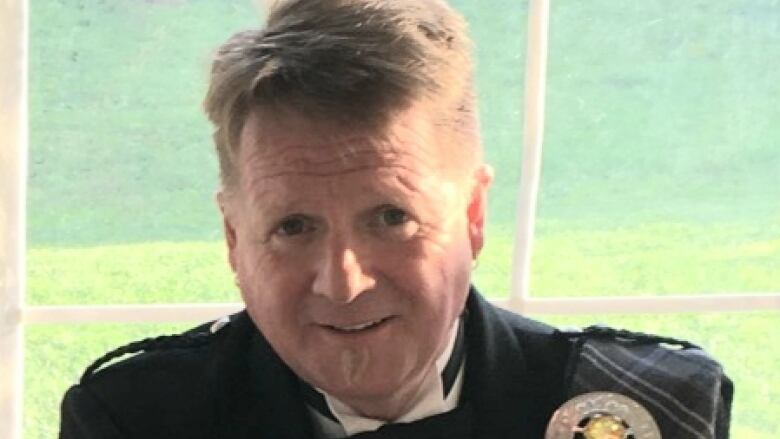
<point>659,186</point>
<point>661,170</point>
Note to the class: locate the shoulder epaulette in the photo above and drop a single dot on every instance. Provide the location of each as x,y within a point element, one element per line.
<point>196,337</point>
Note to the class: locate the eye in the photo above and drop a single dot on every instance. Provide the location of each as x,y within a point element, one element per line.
<point>393,216</point>
<point>293,225</point>
<point>395,224</point>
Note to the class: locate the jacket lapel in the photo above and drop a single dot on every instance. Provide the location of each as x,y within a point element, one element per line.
<point>514,372</point>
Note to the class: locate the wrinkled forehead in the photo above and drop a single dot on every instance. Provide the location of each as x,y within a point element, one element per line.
<point>274,144</point>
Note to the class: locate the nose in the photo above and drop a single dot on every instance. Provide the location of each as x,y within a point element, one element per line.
<point>340,276</point>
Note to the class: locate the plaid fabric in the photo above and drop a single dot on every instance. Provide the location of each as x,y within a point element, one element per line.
<point>684,389</point>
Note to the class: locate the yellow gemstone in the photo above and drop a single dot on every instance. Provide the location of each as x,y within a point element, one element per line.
<point>604,427</point>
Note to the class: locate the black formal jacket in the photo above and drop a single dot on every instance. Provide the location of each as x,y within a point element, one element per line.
<point>232,385</point>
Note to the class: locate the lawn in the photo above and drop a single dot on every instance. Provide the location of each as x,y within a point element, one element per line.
<point>661,171</point>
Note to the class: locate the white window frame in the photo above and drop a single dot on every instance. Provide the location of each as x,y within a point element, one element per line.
<point>14,314</point>
<point>13,168</point>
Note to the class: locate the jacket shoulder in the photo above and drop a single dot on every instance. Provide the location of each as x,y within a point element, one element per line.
<point>150,387</point>
<point>161,352</point>
<point>683,388</point>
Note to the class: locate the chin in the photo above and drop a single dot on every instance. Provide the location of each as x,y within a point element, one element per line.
<point>351,377</point>
<point>378,388</point>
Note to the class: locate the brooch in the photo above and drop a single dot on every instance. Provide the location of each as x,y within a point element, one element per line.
<point>602,415</point>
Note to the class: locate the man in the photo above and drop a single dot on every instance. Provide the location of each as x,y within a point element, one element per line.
<point>353,196</point>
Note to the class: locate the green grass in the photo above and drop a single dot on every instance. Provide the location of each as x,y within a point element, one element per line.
<point>157,272</point>
<point>655,258</point>
<point>661,172</point>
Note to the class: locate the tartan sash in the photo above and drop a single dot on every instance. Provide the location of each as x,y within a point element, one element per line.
<point>683,388</point>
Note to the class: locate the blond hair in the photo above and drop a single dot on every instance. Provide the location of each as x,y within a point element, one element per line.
<point>352,60</point>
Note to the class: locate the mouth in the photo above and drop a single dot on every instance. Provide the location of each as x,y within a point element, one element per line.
<point>359,327</point>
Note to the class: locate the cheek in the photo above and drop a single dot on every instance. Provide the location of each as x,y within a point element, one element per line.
<point>445,259</point>
<point>435,278</point>
<point>271,286</point>
<point>257,262</point>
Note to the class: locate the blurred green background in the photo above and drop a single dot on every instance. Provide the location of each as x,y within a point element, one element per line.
<point>661,172</point>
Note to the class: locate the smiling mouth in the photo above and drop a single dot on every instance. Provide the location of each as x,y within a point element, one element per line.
<point>359,327</point>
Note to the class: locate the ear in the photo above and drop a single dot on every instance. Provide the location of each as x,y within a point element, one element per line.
<point>477,208</point>
<point>223,202</point>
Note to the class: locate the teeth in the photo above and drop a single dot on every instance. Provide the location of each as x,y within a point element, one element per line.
<point>358,327</point>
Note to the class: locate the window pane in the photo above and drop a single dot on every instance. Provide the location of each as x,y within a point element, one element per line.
<point>661,171</point>
<point>55,358</point>
<point>122,172</point>
<point>737,340</point>
<point>499,33</point>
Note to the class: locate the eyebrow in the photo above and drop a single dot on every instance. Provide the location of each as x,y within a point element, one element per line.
<point>258,187</point>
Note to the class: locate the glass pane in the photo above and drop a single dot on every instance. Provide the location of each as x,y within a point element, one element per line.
<point>122,172</point>
<point>737,340</point>
<point>56,356</point>
<point>661,172</point>
<point>499,32</point>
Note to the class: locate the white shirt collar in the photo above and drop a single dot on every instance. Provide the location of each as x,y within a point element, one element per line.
<point>431,401</point>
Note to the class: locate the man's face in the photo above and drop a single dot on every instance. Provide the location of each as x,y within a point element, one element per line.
<point>353,249</point>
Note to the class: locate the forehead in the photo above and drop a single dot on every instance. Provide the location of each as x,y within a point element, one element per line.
<point>276,144</point>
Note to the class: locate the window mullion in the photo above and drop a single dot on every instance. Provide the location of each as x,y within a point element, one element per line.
<point>533,133</point>
<point>13,166</point>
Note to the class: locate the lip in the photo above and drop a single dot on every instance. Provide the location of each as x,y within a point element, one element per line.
<point>359,328</point>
